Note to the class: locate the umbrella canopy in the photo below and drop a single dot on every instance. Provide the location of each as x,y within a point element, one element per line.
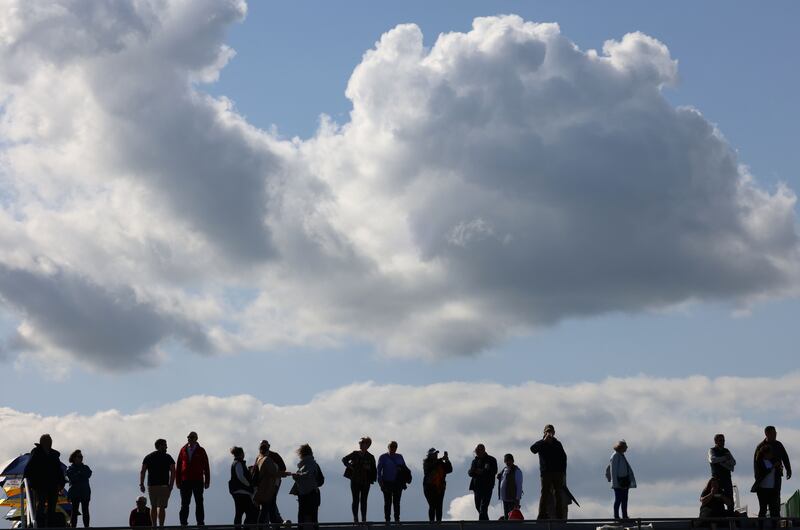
<point>16,466</point>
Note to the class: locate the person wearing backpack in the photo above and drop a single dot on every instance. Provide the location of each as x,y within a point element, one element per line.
<point>393,476</point>
<point>361,469</point>
<point>435,470</point>
<point>307,480</point>
<point>620,474</point>
<point>241,487</point>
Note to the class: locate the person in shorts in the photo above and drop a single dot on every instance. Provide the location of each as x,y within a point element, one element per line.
<point>160,469</point>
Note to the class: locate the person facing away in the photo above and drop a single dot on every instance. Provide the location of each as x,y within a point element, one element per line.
<point>620,474</point>
<point>482,472</point>
<point>79,493</point>
<point>275,514</point>
<point>722,463</point>
<point>241,488</point>
<point>779,460</point>
<point>46,479</point>
<point>362,471</point>
<point>391,485</point>
<point>766,485</point>
<point>434,482</point>
<point>509,490</point>
<point>713,502</point>
<point>269,476</point>
<point>307,480</point>
<point>553,472</point>
<point>140,516</point>
<point>160,469</point>
<point>192,476</point>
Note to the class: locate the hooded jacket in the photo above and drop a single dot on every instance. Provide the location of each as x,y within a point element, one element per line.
<point>44,470</point>
<point>305,478</point>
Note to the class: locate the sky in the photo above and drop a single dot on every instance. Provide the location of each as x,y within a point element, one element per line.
<point>448,222</point>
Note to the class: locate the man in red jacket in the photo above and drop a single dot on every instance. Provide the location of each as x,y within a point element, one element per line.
<point>192,475</point>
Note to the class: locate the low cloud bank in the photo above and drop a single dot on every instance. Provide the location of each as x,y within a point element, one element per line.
<point>669,424</point>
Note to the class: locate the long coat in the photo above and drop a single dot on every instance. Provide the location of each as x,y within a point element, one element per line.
<point>268,479</point>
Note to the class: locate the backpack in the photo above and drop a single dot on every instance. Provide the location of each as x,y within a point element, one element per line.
<point>320,477</point>
<point>403,474</point>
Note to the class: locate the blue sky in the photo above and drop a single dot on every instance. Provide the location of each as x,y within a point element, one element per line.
<point>292,63</point>
<point>167,260</point>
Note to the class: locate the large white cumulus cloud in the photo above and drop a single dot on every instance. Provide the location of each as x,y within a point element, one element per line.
<point>668,423</point>
<point>500,180</point>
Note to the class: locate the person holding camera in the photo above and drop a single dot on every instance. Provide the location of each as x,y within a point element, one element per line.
<point>553,471</point>
<point>435,470</point>
<point>620,474</point>
<point>713,502</point>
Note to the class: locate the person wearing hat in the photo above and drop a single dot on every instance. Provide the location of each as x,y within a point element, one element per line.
<point>192,476</point>
<point>435,470</point>
<point>362,471</point>
<point>140,516</point>
<point>481,473</point>
<point>620,473</point>
<point>553,471</point>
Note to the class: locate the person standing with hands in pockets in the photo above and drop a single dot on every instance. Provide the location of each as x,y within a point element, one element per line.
<point>620,474</point>
<point>192,476</point>
<point>482,472</point>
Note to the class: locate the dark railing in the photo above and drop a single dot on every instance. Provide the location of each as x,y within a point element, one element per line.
<point>638,523</point>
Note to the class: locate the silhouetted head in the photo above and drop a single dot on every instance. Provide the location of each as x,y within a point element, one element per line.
<point>770,433</point>
<point>304,451</point>
<point>621,446</point>
<point>192,438</point>
<point>719,440</point>
<point>263,447</point>
<point>161,445</point>
<point>237,452</point>
<point>141,502</point>
<point>509,460</point>
<point>45,442</point>
<point>392,447</point>
<point>549,429</point>
<point>364,443</point>
<point>480,450</point>
<point>712,485</point>
<point>76,457</point>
